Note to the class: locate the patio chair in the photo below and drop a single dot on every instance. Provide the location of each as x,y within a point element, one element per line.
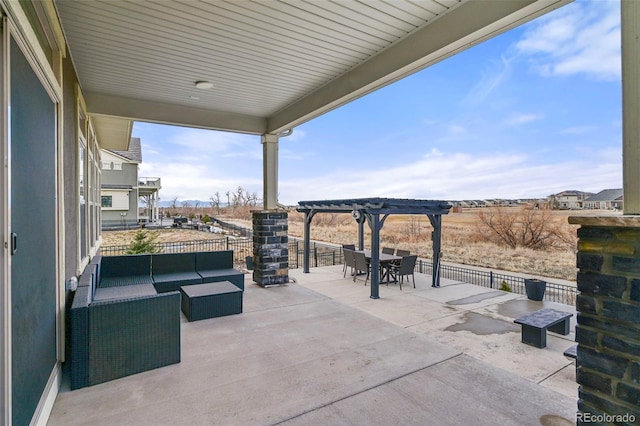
<point>401,253</point>
<point>361,264</point>
<point>406,267</point>
<point>388,250</point>
<point>349,262</point>
<point>347,247</point>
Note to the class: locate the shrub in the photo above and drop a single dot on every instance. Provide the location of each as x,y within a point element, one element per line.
<point>143,242</point>
<point>505,287</point>
<point>206,218</point>
<point>526,227</point>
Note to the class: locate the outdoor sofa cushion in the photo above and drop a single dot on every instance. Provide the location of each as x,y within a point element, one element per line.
<point>216,266</point>
<point>125,270</point>
<point>170,271</point>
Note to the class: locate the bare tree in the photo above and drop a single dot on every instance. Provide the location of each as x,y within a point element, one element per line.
<point>174,203</point>
<point>215,201</point>
<point>238,197</point>
<point>252,199</point>
<point>526,226</point>
<point>413,228</point>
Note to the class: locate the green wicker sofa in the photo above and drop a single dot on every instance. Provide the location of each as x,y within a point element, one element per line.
<point>119,324</point>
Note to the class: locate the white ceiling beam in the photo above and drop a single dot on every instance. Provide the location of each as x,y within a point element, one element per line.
<point>179,115</point>
<point>461,28</point>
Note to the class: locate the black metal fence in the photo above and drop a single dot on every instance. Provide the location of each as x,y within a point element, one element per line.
<point>241,247</point>
<point>323,254</point>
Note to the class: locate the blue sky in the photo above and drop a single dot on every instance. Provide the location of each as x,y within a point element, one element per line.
<point>529,113</point>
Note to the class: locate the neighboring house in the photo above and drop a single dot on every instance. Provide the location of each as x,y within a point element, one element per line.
<point>569,200</point>
<point>607,199</point>
<point>122,189</point>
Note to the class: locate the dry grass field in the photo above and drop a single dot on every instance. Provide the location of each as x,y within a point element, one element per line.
<point>463,240</point>
<point>121,238</point>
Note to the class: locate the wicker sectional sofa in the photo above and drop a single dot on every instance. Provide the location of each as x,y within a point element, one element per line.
<point>120,327</point>
<point>125,314</point>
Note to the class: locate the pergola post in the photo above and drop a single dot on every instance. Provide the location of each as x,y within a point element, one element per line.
<point>375,225</point>
<point>308,216</point>
<point>436,238</point>
<point>361,220</point>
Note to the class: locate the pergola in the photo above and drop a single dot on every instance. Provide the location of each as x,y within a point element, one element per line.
<point>370,209</point>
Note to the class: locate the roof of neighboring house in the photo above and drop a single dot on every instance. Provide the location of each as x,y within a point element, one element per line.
<point>134,153</point>
<point>572,192</point>
<point>607,195</point>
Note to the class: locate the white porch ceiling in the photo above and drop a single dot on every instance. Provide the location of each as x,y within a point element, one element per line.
<point>274,64</point>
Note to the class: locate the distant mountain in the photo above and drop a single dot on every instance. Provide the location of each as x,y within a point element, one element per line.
<point>192,203</point>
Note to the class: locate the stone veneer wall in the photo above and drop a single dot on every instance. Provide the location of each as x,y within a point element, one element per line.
<point>608,330</point>
<point>270,247</point>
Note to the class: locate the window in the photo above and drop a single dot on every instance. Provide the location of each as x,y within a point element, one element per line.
<point>107,201</point>
<point>119,199</point>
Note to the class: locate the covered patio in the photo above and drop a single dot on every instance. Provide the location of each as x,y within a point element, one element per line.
<point>371,210</point>
<point>79,73</point>
<point>320,351</point>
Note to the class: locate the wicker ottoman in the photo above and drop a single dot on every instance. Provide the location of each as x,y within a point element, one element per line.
<point>211,300</point>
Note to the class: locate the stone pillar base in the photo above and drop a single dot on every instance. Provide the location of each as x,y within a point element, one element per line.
<point>270,247</point>
<point>608,330</point>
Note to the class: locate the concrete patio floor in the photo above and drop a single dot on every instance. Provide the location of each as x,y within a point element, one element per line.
<point>319,351</point>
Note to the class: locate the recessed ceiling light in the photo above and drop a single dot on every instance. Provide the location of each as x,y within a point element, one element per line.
<point>203,85</point>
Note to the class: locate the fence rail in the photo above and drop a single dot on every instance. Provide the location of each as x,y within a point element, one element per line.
<point>323,254</point>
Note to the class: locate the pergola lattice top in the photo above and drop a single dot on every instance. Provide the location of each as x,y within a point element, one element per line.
<point>377,206</point>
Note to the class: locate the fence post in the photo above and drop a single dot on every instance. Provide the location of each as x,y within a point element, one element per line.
<point>490,279</point>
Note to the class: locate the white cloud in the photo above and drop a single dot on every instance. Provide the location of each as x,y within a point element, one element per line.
<point>489,81</point>
<point>454,176</point>
<point>457,129</point>
<point>576,130</point>
<point>518,119</point>
<point>581,38</point>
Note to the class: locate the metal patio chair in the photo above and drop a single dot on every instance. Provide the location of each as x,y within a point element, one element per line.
<point>349,261</point>
<point>406,268</point>
<point>361,265</point>
<point>388,250</point>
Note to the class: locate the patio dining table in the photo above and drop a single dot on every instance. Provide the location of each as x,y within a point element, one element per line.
<point>385,261</point>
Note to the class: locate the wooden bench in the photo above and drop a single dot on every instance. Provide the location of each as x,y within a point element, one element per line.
<point>571,352</point>
<point>535,325</point>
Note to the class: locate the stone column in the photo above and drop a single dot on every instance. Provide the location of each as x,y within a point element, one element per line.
<point>608,330</point>
<point>270,247</point>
